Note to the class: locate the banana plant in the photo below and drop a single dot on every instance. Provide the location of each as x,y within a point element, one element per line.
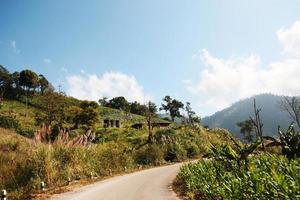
<point>240,153</point>
<point>288,140</point>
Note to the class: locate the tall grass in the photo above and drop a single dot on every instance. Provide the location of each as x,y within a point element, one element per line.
<point>25,163</point>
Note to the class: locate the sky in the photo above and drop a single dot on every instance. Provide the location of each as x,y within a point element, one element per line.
<point>207,52</point>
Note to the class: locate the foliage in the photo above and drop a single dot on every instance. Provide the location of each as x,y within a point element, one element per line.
<point>28,79</point>
<point>9,123</point>
<point>172,106</point>
<point>247,128</point>
<point>53,106</point>
<point>5,79</point>
<point>119,103</point>
<point>289,142</point>
<point>191,115</point>
<point>268,177</point>
<point>149,154</point>
<point>238,154</point>
<point>89,115</point>
<point>24,163</point>
<point>137,108</point>
<point>44,84</point>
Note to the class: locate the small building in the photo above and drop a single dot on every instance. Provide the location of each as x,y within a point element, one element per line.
<point>111,123</point>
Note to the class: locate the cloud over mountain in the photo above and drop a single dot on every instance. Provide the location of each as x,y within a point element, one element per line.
<point>223,81</point>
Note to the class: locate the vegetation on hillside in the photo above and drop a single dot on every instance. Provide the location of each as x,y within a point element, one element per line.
<point>48,136</point>
<point>25,162</point>
<point>246,171</point>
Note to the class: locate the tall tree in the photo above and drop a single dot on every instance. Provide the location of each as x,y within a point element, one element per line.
<point>150,113</point>
<point>5,79</point>
<point>257,123</point>
<point>44,84</point>
<point>137,108</point>
<point>292,107</point>
<point>28,79</point>
<point>172,106</point>
<point>192,118</point>
<point>53,106</point>
<point>119,103</point>
<point>247,128</point>
<point>103,101</point>
<point>89,116</point>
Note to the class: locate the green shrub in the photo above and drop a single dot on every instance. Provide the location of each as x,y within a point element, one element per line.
<point>192,149</point>
<point>149,154</point>
<point>9,122</point>
<point>175,153</point>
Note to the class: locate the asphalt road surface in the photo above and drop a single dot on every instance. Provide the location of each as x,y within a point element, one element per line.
<point>150,184</point>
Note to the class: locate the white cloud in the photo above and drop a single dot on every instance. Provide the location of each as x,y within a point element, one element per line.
<point>110,84</point>
<point>13,45</point>
<point>290,38</point>
<point>47,61</point>
<point>224,81</point>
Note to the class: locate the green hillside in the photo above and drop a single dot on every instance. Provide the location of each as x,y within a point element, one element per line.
<point>26,116</point>
<point>271,114</point>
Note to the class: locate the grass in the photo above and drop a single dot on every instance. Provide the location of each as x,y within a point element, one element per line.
<point>25,163</point>
<point>17,110</point>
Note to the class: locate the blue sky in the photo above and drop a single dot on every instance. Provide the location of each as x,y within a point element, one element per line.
<point>197,51</point>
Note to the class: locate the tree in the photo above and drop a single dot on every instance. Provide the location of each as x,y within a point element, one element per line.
<point>73,115</point>
<point>192,118</point>
<point>247,128</point>
<point>53,106</point>
<point>103,101</point>
<point>137,108</point>
<point>289,142</point>
<point>292,107</point>
<point>150,113</point>
<point>5,79</point>
<point>28,79</point>
<point>89,115</point>
<point>172,106</point>
<point>119,103</point>
<point>44,84</point>
<point>257,123</point>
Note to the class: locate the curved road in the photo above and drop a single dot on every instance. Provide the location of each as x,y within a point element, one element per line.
<point>150,184</point>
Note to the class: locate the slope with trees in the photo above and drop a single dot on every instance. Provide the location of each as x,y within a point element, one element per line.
<point>272,115</point>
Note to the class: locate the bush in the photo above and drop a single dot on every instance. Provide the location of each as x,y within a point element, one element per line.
<point>175,153</point>
<point>192,149</point>
<point>149,154</point>
<point>9,122</point>
<point>29,133</point>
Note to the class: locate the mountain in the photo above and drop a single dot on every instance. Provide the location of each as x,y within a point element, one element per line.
<point>271,115</point>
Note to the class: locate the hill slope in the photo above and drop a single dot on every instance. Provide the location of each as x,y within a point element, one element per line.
<point>17,110</point>
<point>271,114</point>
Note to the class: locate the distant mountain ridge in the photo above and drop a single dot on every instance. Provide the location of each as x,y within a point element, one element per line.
<point>271,115</point>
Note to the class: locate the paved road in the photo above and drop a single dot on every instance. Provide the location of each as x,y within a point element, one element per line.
<point>151,184</point>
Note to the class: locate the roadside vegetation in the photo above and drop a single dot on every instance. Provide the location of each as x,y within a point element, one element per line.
<point>46,136</point>
<point>262,168</point>
<point>26,162</point>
